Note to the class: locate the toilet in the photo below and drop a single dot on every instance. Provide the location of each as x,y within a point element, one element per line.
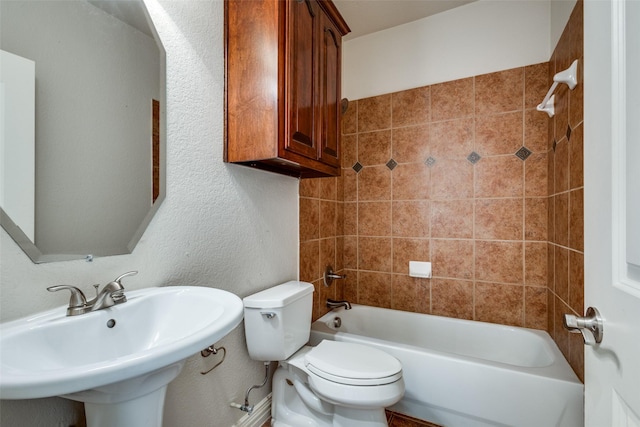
<point>332,384</point>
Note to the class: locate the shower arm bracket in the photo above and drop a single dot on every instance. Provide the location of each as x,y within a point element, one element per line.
<point>569,77</point>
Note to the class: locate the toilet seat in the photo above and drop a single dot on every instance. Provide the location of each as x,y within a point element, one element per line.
<point>352,364</point>
<point>349,375</point>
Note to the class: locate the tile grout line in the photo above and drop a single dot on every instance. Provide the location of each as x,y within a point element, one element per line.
<point>474,296</point>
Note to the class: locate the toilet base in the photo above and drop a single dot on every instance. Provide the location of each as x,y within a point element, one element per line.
<point>288,409</point>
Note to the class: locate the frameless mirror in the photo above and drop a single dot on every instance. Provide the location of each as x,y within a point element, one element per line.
<point>82,97</point>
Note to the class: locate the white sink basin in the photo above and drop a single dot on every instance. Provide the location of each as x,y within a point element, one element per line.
<point>50,354</point>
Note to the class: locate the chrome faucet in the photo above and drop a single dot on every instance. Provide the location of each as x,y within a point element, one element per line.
<point>335,304</point>
<point>110,295</point>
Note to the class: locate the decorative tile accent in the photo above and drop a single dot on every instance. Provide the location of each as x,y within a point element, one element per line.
<point>392,164</point>
<point>430,161</point>
<point>357,167</point>
<point>523,153</point>
<point>474,157</point>
<point>568,132</point>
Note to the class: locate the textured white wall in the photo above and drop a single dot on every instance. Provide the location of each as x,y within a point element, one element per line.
<point>560,13</point>
<point>481,37</point>
<point>221,225</point>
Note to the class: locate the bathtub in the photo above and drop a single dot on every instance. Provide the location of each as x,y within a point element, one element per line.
<point>461,373</point>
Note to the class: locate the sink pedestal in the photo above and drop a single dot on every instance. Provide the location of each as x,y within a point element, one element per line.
<point>144,411</point>
<point>135,402</point>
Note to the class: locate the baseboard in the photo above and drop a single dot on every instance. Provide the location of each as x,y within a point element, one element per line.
<point>260,415</point>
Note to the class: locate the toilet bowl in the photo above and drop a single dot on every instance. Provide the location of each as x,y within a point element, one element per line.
<point>302,398</point>
<point>332,384</point>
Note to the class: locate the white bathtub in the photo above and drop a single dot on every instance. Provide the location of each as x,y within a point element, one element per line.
<point>461,373</point>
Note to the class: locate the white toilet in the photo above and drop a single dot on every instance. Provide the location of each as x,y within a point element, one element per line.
<point>332,384</point>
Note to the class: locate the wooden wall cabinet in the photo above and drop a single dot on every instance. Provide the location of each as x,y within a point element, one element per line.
<point>282,85</point>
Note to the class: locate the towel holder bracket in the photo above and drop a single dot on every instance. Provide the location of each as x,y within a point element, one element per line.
<point>568,77</point>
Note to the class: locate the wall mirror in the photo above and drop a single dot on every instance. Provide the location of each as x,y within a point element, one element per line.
<point>82,99</point>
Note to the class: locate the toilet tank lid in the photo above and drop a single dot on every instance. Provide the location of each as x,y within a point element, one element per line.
<point>278,296</point>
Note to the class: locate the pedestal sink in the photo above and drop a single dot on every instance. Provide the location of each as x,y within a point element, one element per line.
<point>119,360</point>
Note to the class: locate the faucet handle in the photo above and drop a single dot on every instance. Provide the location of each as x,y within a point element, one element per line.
<point>77,302</point>
<point>77,296</point>
<point>329,276</point>
<point>129,273</point>
<point>116,288</point>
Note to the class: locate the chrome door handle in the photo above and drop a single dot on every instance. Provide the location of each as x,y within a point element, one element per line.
<point>591,322</point>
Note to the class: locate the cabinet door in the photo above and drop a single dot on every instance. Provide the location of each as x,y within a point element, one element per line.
<point>302,60</point>
<point>329,73</point>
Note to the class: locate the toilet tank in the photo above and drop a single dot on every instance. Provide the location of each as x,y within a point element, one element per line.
<point>277,321</point>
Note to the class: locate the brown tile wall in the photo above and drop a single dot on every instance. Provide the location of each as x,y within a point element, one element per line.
<point>565,249</point>
<point>418,197</point>
<point>504,234</point>
<point>321,225</point>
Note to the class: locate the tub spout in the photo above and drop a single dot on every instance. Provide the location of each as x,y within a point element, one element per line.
<point>335,304</point>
